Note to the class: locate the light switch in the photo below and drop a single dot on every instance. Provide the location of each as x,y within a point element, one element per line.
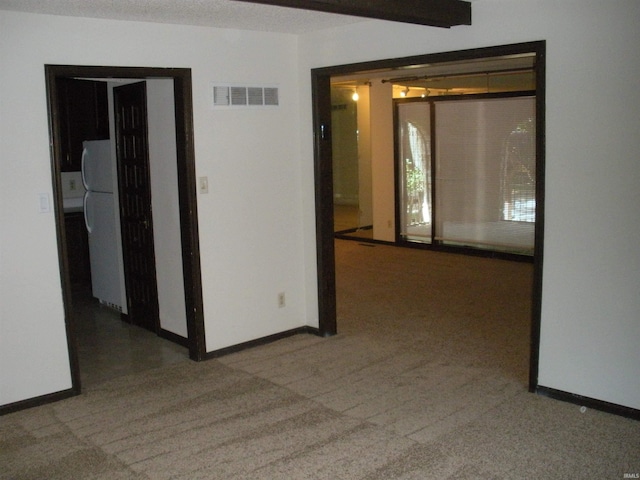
<point>203,183</point>
<point>44,203</point>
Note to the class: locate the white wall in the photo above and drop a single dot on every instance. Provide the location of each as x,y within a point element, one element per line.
<point>591,291</point>
<point>365,198</point>
<point>249,223</point>
<point>382,162</point>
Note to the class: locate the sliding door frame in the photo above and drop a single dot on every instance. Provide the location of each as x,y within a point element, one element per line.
<point>436,244</point>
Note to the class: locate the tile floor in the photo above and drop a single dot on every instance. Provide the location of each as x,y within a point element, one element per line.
<point>109,347</point>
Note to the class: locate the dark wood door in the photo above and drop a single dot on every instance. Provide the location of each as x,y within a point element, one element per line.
<point>327,308</point>
<point>135,204</point>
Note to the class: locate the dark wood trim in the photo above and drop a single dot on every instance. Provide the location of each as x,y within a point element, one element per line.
<point>435,213</point>
<point>321,78</point>
<point>473,96</point>
<point>173,337</point>
<point>262,341</point>
<point>55,146</point>
<point>469,251</point>
<point>400,63</point>
<point>538,251</point>
<point>589,402</point>
<point>189,215</point>
<point>37,401</point>
<point>323,165</point>
<point>397,173</point>
<point>186,187</point>
<point>369,242</point>
<point>433,13</point>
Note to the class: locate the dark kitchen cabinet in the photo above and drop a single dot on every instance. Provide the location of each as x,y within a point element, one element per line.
<point>84,115</point>
<point>77,249</point>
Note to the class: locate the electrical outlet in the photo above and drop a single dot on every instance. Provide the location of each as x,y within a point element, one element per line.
<point>281,300</point>
<point>72,184</point>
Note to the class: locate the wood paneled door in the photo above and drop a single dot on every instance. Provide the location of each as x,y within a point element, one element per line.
<point>135,204</point>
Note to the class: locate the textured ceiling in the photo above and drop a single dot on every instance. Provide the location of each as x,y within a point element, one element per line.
<point>212,13</point>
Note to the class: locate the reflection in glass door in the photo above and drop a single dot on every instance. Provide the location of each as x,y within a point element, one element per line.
<point>414,154</point>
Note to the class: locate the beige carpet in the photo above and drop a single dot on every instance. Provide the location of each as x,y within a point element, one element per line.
<point>426,380</point>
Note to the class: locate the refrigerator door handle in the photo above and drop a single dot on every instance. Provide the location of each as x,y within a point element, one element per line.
<point>82,169</point>
<point>85,203</point>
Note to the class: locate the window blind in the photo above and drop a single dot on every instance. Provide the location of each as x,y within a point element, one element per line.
<point>485,173</point>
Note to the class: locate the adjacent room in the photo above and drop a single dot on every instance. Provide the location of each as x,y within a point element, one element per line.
<point>472,185</point>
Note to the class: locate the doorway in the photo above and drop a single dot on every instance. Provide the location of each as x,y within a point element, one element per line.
<point>186,187</point>
<point>323,159</point>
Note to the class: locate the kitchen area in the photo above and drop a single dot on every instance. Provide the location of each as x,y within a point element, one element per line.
<point>88,184</point>
<point>108,347</point>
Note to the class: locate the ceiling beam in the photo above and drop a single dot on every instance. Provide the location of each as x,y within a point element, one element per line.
<point>433,13</point>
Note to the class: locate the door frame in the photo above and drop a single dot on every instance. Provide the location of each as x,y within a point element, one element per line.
<point>186,195</point>
<point>323,171</point>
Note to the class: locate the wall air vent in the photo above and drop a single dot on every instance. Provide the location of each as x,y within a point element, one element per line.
<point>238,95</point>
<point>230,96</point>
<point>220,96</point>
<point>254,95</point>
<point>271,96</point>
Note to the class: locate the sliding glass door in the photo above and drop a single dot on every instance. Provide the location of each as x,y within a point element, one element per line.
<point>414,152</point>
<point>481,153</point>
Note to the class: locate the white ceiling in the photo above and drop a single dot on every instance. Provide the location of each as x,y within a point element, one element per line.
<point>210,13</point>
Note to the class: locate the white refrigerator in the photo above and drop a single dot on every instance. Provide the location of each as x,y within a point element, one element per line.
<point>102,220</point>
